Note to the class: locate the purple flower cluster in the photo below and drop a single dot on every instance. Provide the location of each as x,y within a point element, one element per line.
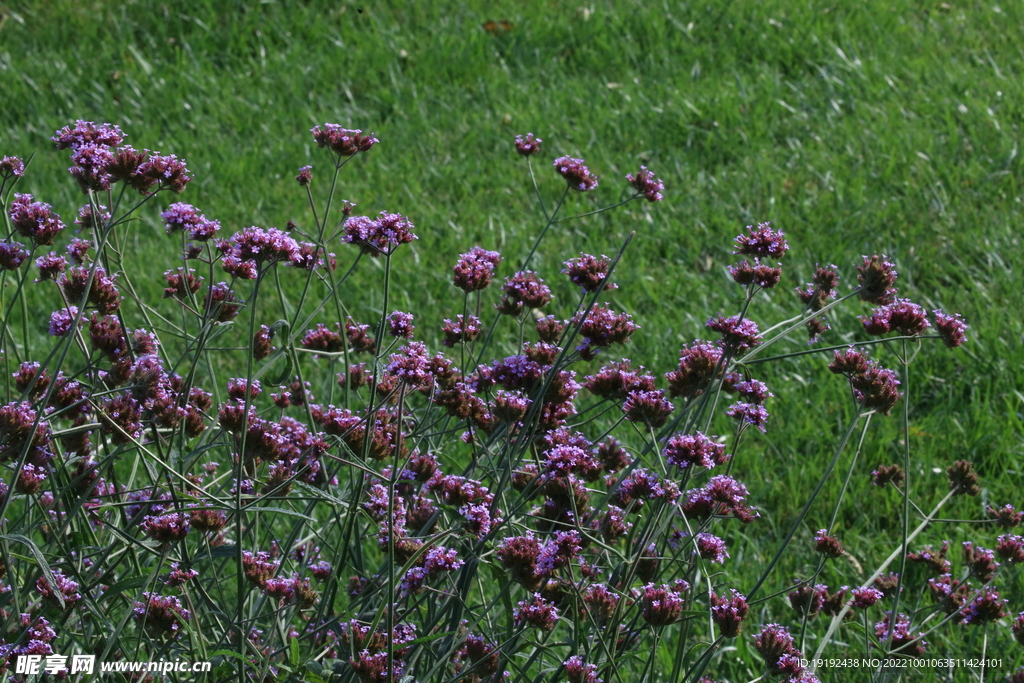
<point>250,250</point>
<point>951,328</point>
<point>63,589</point>
<point>341,141</point>
<point>898,635</point>
<point>161,616</point>
<point>728,613</point>
<point>722,495</point>
<point>603,327</point>
<point>12,255</point>
<point>781,656</point>
<point>62,320</point>
<point>876,277</point>
<point>588,272</point>
<point>382,235</point>
<point>186,218</point>
<point>524,289</point>
<point>874,386</point>
<point>645,183</point>
<point>35,220</point>
<point>400,324</point>
<point>460,331</point>
<point>901,316</point>
<point>535,613</point>
<point>575,173</point>
<point>474,269</point>
<point>528,145</point>
<point>615,381</point>
<point>661,605</point>
<point>12,167</point>
<point>648,407</point>
<point>578,671</point>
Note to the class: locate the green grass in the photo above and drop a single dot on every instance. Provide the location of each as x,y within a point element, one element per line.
<point>856,127</point>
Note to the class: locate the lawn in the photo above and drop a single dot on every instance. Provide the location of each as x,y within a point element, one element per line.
<point>856,128</point>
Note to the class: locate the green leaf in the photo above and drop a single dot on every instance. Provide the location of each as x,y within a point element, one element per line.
<point>40,560</point>
<point>217,551</point>
<point>283,511</point>
<point>123,585</point>
<point>293,652</point>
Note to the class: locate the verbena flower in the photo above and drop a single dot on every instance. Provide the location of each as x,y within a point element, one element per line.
<point>722,495</point>
<point>180,283</point>
<point>62,320</point>
<point>167,528</point>
<point>35,220</point>
<point>161,616</point>
<point>559,551</point>
<point>829,546</point>
<point>185,217</point>
<point>888,473</point>
<point>179,576</point>
<point>528,145</point>
<point>901,316</point>
<point>87,220</point>
<point>575,173</point>
<point>756,273</point>
<point>740,335</point>
<point>1018,628</point>
<point>1005,517</point>
<point>865,597</point>
<point>460,331</point>
<point>588,272</point>
<point>13,167</point>
<point>12,255</point>
<point>523,289</point>
<point>641,486</point>
<point>762,242</point>
<point>578,671</point>
<point>660,605</point>
<point>536,613</point>
<point>102,293</point>
<point>899,636</point>
<point>400,324</point>
<point>750,414</point>
<point>951,328</point>
<point>603,327</point>
<point>774,644</point>
<point>164,172</point>
<point>963,479</point>
<point>935,559</point>
<point>876,277</point>
<point>728,613</point>
<point>411,364</point>
<point>519,554</point>
<point>90,169</point>
<point>985,608</point>
<point>78,250</point>
<point>817,293</point>
<point>648,407</point>
<point>645,183</point>
<point>64,586</point>
<point>711,548</point>
<point>342,141</point>
<point>378,236</point>
<point>686,450</point>
<point>85,132</point>
<point>981,561</point>
<point>250,250</point>
<point>808,599</point>
<point>474,269</point>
